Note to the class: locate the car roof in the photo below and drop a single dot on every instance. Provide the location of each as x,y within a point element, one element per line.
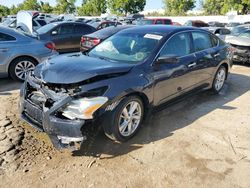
<point>69,22</point>
<point>160,29</point>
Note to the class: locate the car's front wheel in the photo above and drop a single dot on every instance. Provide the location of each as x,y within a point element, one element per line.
<point>126,119</point>
<point>20,66</point>
<point>219,79</point>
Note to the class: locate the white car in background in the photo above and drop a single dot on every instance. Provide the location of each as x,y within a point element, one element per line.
<point>29,21</point>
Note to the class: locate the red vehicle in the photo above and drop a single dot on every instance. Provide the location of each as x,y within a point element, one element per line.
<point>196,23</point>
<point>91,40</point>
<point>164,21</point>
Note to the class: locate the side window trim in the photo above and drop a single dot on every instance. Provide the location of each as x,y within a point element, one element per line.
<point>210,35</point>
<point>14,38</point>
<point>192,46</point>
<point>182,32</point>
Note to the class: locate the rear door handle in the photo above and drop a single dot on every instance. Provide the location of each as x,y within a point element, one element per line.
<point>4,49</point>
<point>192,65</point>
<point>216,55</point>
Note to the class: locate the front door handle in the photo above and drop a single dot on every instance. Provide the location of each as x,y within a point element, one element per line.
<point>4,49</point>
<point>192,65</point>
<point>217,55</point>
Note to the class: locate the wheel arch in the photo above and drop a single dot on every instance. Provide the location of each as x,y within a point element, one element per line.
<point>21,56</point>
<point>143,98</point>
<point>227,68</point>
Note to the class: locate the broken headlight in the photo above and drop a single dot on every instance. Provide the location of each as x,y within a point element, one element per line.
<point>83,108</point>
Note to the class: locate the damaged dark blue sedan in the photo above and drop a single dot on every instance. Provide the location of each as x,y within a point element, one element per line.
<point>118,81</point>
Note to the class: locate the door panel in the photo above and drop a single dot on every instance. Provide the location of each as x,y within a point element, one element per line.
<point>7,45</point>
<point>205,54</point>
<point>173,79</point>
<point>63,38</point>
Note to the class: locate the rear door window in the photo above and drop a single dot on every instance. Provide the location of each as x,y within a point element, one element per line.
<point>66,29</point>
<point>214,40</point>
<point>4,37</point>
<point>202,41</point>
<point>178,45</point>
<point>82,29</point>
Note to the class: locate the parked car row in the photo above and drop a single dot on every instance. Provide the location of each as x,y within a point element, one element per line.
<point>83,35</point>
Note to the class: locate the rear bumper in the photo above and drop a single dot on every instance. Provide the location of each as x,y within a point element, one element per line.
<point>62,132</point>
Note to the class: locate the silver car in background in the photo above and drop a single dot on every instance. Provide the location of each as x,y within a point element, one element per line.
<point>20,53</point>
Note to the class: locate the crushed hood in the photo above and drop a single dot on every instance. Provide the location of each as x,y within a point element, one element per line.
<point>240,41</point>
<point>76,68</point>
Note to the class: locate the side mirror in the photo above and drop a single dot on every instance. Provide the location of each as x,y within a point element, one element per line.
<point>167,59</point>
<point>54,32</point>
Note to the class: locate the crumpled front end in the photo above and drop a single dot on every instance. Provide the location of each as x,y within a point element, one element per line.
<point>241,53</point>
<point>40,107</point>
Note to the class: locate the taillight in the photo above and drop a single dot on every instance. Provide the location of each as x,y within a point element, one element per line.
<point>51,46</point>
<point>83,39</point>
<point>95,41</point>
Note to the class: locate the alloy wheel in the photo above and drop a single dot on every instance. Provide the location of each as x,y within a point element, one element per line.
<point>130,118</point>
<point>22,68</point>
<point>220,79</point>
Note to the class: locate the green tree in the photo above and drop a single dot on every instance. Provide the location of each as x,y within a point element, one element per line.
<point>213,7</point>
<point>126,6</point>
<point>65,6</point>
<point>4,11</point>
<point>30,5</point>
<point>15,9</point>
<point>246,7</point>
<point>92,8</point>
<point>217,7</point>
<point>45,7</point>
<point>178,7</point>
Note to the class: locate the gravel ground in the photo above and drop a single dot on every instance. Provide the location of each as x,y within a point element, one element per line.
<point>203,141</point>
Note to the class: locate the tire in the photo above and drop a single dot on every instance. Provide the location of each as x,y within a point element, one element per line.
<point>219,79</point>
<point>20,66</point>
<point>112,126</point>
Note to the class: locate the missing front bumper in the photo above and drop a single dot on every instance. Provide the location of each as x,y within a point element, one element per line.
<point>63,133</point>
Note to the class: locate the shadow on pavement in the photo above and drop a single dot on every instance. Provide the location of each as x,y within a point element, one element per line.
<point>164,123</point>
<point>7,85</point>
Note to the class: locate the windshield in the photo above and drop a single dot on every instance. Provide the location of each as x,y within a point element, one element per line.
<point>127,47</point>
<point>8,22</point>
<point>46,28</point>
<point>245,34</point>
<point>95,24</point>
<point>237,30</point>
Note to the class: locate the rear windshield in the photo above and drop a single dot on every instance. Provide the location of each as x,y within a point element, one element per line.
<point>95,24</point>
<point>46,28</point>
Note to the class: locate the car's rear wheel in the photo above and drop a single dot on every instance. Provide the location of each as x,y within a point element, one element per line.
<point>219,79</point>
<point>20,67</point>
<point>126,119</point>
